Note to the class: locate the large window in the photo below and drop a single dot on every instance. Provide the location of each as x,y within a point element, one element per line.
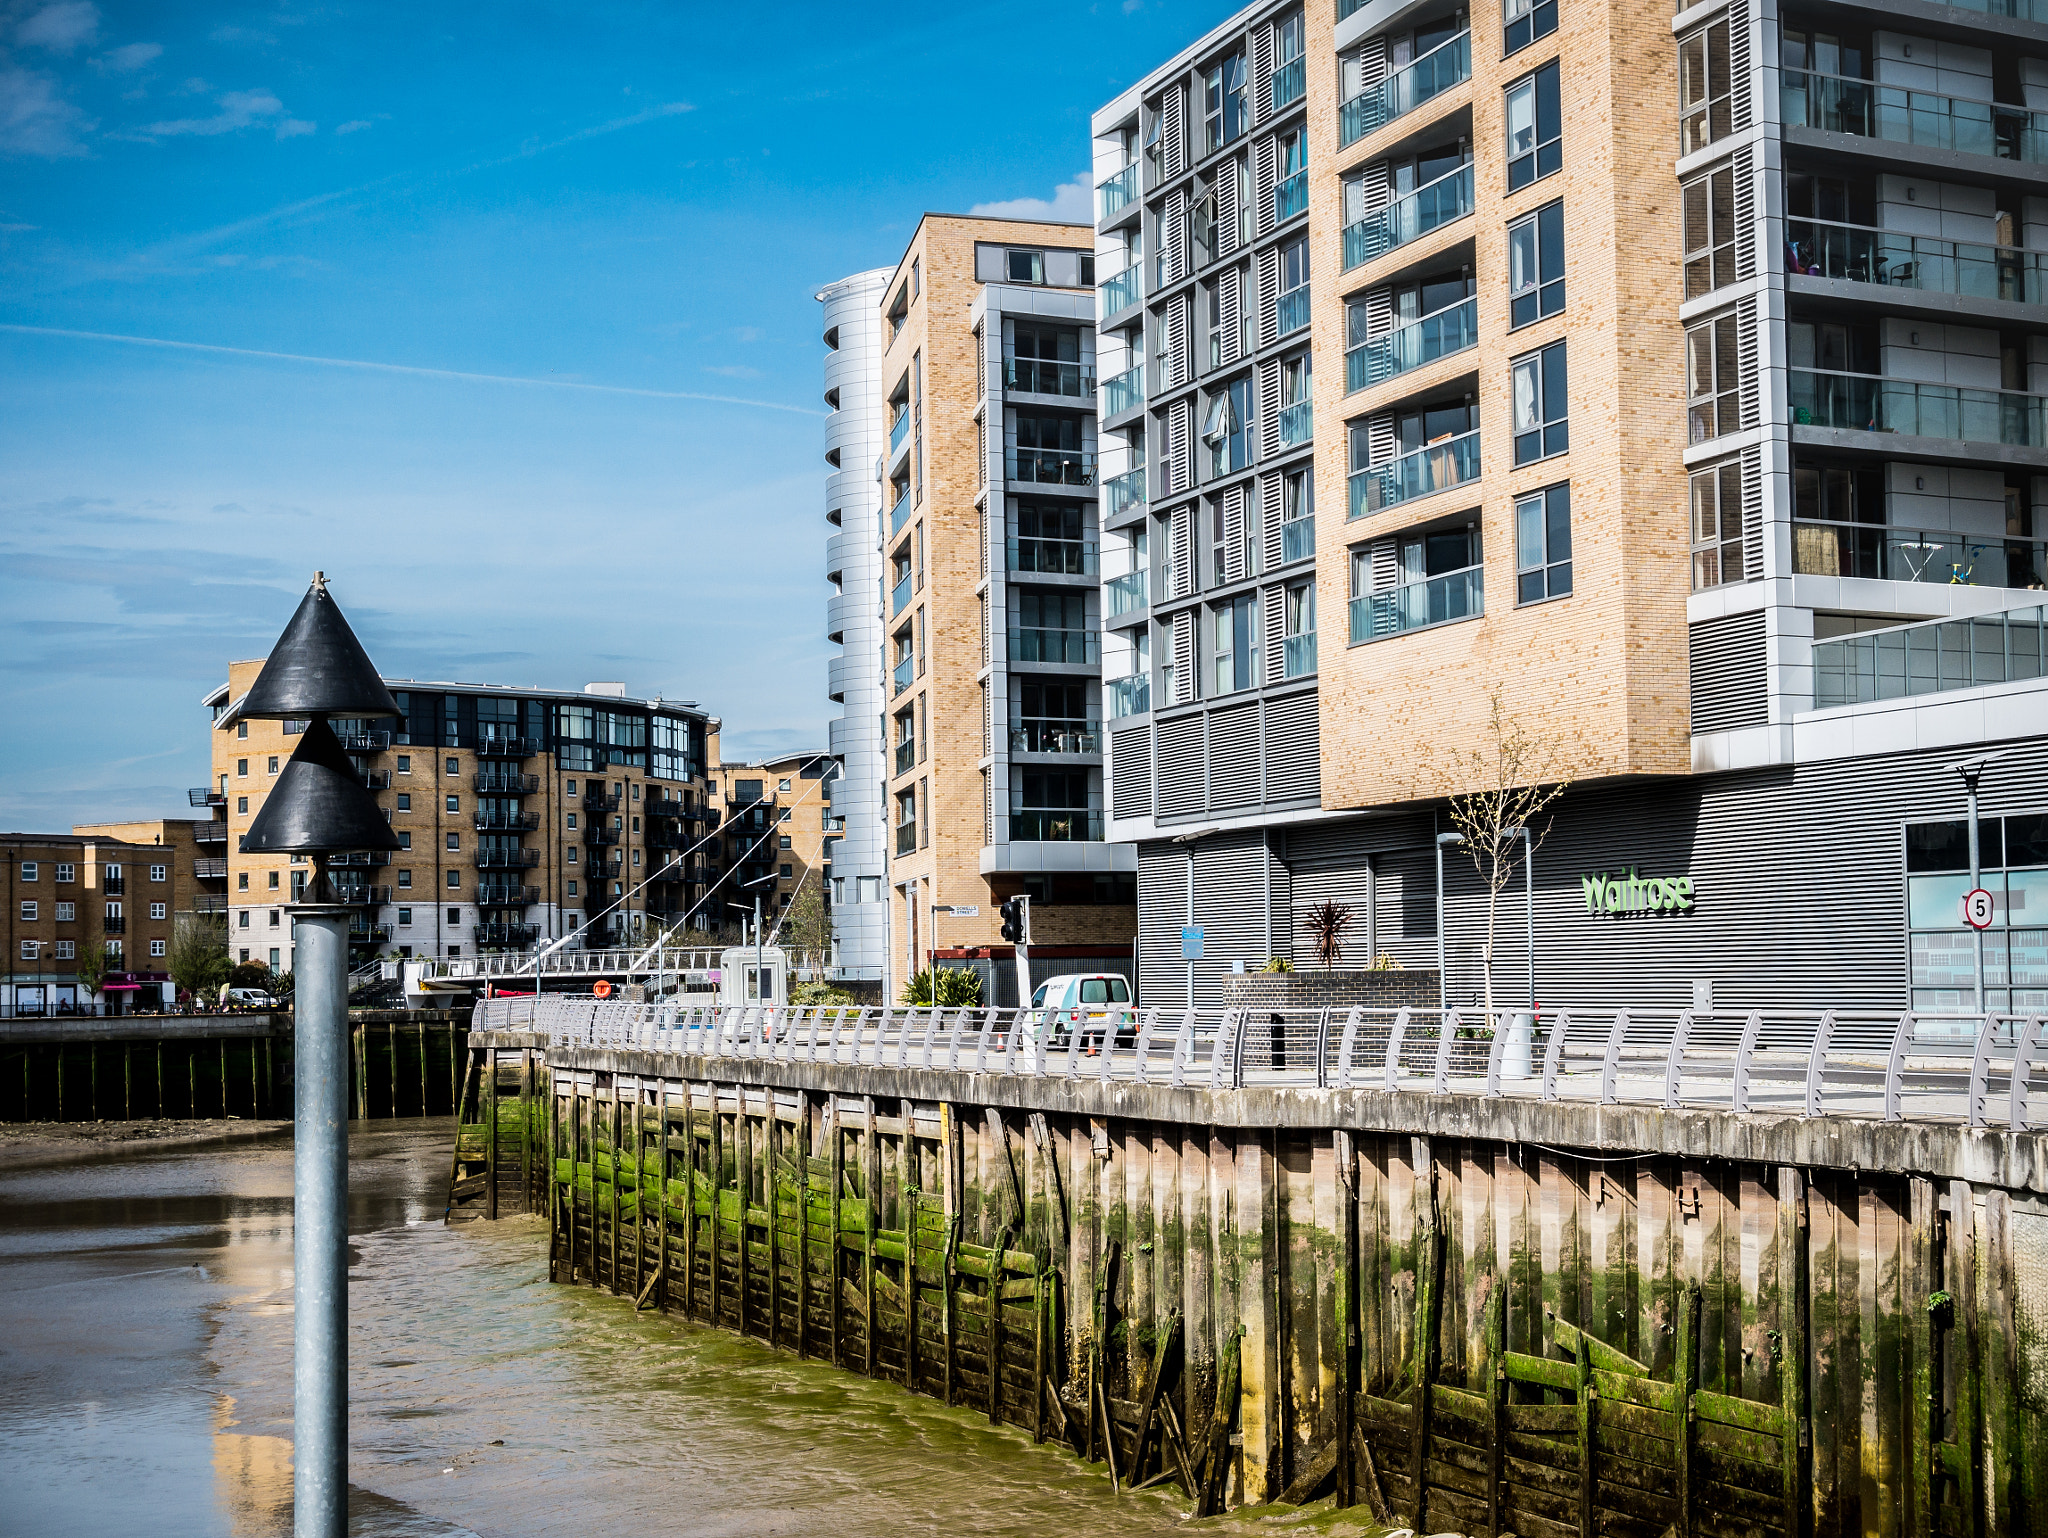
<point>1055,805</point>
<point>1536,265</point>
<point>1709,231</point>
<point>1297,516</point>
<point>1523,21</point>
<point>1290,191</point>
<point>1535,127</point>
<point>1293,309</point>
<point>1235,644</point>
<point>1712,404</point>
<point>1543,544</point>
<point>1227,427</point>
<point>2012,857</point>
<point>1704,97</point>
<point>1716,492</point>
<point>1298,631</point>
<point>1541,402</point>
<point>1223,104</point>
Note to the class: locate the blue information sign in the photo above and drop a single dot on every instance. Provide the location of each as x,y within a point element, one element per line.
<point>1191,942</point>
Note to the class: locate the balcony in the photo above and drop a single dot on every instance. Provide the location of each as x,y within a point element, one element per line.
<point>1290,197</point>
<point>113,926</point>
<point>903,674</point>
<point>1427,208</point>
<point>1917,555</point>
<point>1450,330</point>
<point>600,800</point>
<point>210,903</point>
<point>1052,467</point>
<point>1297,655</point>
<point>1128,696</point>
<point>600,838</point>
<point>604,870</point>
<point>1292,311</point>
<point>1126,594</point>
<point>899,595</point>
<point>1873,403</point>
<point>1290,80</point>
<point>112,885</point>
<point>1898,115</point>
<point>507,747</point>
<point>210,833</point>
<point>206,795</point>
<point>1052,557</point>
<point>505,894</point>
<point>1429,470</point>
<point>366,742</point>
<point>505,782</point>
<point>899,430</point>
<point>1930,657</point>
<point>362,894</point>
<point>906,756</point>
<point>506,822</point>
<point>1440,600</point>
<point>1858,253</point>
<point>1053,736</point>
<point>1125,491</point>
<point>507,859</point>
<point>374,779</point>
<point>369,857</point>
<point>507,934</point>
<point>659,805</point>
<point>1119,293</point>
<point>906,838</point>
<point>1124,392</point>
<point>1059,825</point>
<point>366,933</point>
<point>1076,647</point>
<point>1114,194</point>
<point>1444,66</point>
<point>1297,539</point>
<point>900,511</point>
<point>1297,423</point>
<point>1048,376</point>
<point>210,869</point>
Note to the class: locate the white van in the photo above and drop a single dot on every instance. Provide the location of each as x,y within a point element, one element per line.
<point>1082,1000</point>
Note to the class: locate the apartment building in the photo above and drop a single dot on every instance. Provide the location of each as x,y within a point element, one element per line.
<point>987,592</point>
<point>67,892</point>
<point>1674,383</point>
<point>523,816</point>
<point>781,833</point>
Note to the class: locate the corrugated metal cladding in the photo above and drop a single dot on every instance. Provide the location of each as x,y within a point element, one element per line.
<point>1229,905</point>
<point>1162,904</point>
<point>1234,756</point>
<point>1240,755</point>
<point>1130,772</point>
<point>1181,769</point>
<point>1294,764</point>
<point>1728,673</point>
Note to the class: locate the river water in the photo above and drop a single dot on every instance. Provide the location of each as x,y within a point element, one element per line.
<point>145,1383</point>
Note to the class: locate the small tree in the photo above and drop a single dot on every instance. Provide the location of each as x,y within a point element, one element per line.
<point>198,959</point>
<point>1519,778</point>
<point>92,966</point>
<point>807,927</point>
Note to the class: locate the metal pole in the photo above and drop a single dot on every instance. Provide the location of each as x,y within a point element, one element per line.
<point>1970,774</point>
<point>320,1223</point>
<point>1529,899</point>
<point>1443,994</point>
<point>760,976</point>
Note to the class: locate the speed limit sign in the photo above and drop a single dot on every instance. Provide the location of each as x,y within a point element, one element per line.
<point>1977,909</point>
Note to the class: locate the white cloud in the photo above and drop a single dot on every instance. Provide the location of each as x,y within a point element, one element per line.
<point>129,57</point>
<point>293,128</point>
<point>1071,203</point>
<point>35,119</point>
<point>353,126</point>
<point>238,110</point>
<point>60,28</point>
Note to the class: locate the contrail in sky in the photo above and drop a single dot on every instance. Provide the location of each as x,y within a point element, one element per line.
<point>406,368</point>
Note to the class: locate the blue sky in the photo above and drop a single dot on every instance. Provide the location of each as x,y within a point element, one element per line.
<point>499,314</point>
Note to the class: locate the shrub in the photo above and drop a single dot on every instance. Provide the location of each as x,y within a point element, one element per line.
<point>946,987</point>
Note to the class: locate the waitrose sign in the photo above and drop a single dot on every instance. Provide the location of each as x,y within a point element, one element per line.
<point>1630,895</point>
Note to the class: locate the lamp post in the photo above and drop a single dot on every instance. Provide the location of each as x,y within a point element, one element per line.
<point>760,960</point>
<point>318,808</point>
<point>1972,771</point>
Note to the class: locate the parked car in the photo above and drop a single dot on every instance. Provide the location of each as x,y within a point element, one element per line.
<point>1083,1001</point>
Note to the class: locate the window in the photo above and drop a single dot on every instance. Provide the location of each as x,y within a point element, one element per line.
<point>67,912</point>
<point>273,763</point>
<point>1536,265</point>
<point>1235,645</point>
<point>67,950</point>
<point>1535,127</point>
<point>782,785</point>
<point>572,820</point>
<point>1025,266</point>
<point>636,857</point>
<point>783,842</point>
<point>572,888</point>
<point>1540,398</point>
<point>242,921</point>
<point>242,806</point>
<point>569,788</point>
<point>404,917</point>
<point>156,947</point>
<point>1293,307</point>
<point>66,872</point>
<point>404,839</point>
<point>1704,99</point>
<point>454,804</point>
<point>571,855</point>
<point>455,841</point>
<point>1227,428</point>
<point>28,913</point>
<point>1298,516</point>
<point>1298,643</point>
<point>113,910</point>
<point>29,949</point>
<point>31,871</point>
<point>1223,107</point>
<point>454,765</point>
<point>784,814</point>
<point>916,284</point>
<point>1526,20</point>
<point>405,801</point>
<point>241,881</point>
<point>636,823</point>
<point>1543,544</point>
<point>455,878</point>
<point>1711,394</point>
<point>1716,524</point>
<point>405,878</point>
<point>1708,205</point>
<point>156,910</point>
<point>242,729</point>
<point>1297,384</point>
<point>159,872</point>
<point>276,917</point>
<point>273,881</point>
<point>455,915</point>
<point>241,767</point>
<point>787,872</point>
<point>1290,191</point>
<point>405,763</point>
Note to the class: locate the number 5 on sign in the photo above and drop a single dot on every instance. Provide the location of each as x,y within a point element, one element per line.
<point>1977,909</point>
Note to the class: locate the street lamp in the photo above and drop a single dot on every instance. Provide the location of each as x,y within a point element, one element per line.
<point>760,963</point>
<point>1972,770</point>
<point>318,808</point>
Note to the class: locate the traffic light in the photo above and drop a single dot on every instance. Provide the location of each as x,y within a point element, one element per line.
<point>1017,920</point>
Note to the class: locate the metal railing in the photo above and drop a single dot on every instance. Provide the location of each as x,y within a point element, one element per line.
<point>1291,311</point>
<point>1931,657</point>
<point>688,965</point>
<point>502,894</point>
<point>1860,253</point>
<point>1428,470</point>
<point>1297,539</point>
<point>1114,193</point>
<point>1048,376</point>
<point>1290,196</point>
<point>1449,330</point>
<point>1297,423</point>
<point>1428,207</point>
<point>1290,80</point>
<point>898,431</point>
<point>902,673</point>
<point>899,595</point>
<point>1123,392</point>
<point>906,756</point>
<point>1056,557</point>
<point>900,510</point>
<point>1444,66</point>
<point>1841,104</point>
<point>906,838</point>
<point>1298,655</point>
<point>1056,825</point>
<point>209,833</point>
<point>1121,290</point>
<point>1038,644</point>
<point>507,747</point>
<point>210,869</point>
<point>1052,467</point>
<point>1969,1069</point>
<point>521,822</point>
<point>1126,594</point>
<point>206,795</point>
<point>1055,736</point>
<point>505,782</point>
<point>1832,549</point>
<point>1876,403</point>
<point>1127,696</point>
<point>1124,491</point>
<point>507,859</point>
<point>1440,600</point>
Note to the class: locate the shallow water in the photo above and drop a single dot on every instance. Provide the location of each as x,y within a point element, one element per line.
<point>145,1383</point>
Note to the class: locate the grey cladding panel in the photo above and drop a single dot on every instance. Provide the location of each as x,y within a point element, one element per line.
<point>1162,907</point>
<point>1293,750</point>
<point>1180,767</point>
<point>1728,673</point>
<point>1130,769</point>
<point>1234,757</point>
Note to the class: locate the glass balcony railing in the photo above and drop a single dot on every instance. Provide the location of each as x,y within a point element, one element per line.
<point>1440,600</point>
<point>1126,594</point>
<point>1124,491</point>
<point>1917,555</point>
<point>1872,403</point>
<point>1861,254</point>
<point>1899,115</point>
<point>1050,736</point>
<point>1059,557</point>
<point>906,756</point>
<point>1119,293</point>
<point>906,838</point>
<point>1444,66</point>
<point>1450,330</point>
<point>1127,696</point>
<point>1048,376</point>
<point>1060,825</point>
<point>1290,80</point>
<point>1292,310</point>
<point>1297,539</point>
<point>1930,657</point>
<point>899,595</point>
<point>1123,392</point>
<point>1436,467</point>
<point>1290,197</point>
<point>1113,194</point>
<point>903,674</point>
<point>1052,467</point>
<point>898,431</point>
<point>899,511</point>
<point>1034,644</point>
<point>1429,207</point>
<point>1297,423</point>
<point>1297,655</point>
<point>2019,10</point>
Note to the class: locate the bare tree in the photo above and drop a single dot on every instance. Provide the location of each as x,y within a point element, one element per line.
<point>1519,776</point>
<point>199,953</point>
<point>808,925</point>
<point>93,957</point>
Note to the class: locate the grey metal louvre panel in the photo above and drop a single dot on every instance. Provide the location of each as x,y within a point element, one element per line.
<point>1280,909</point>
<point>1386,565</point>
<point>1404,906</point>
<point>1379,436</point>
<point>1179,430</point>
<point>1372,61</point>
<point>1379,313</point>
<point>1183,659</point>
<point>1130,772</point>
<point>1162,909</point>
<point>1229,308</point>
<point>1234,756</point>
<point>1179,773</point>
<point>1226,208</point>
<point>1350,844</point>
<point>1272,508</point>
<point>1748,383</point>
<point>1272,619</point>
<point>1233,533</point>
<point>1350,886</point>
<point>1262,72</point>
<point>1174,136</point>
<point>1268,395</point>
<point>1269,296</point>
<point>1741,111</point>
<point>1184,354</point>
<point>1176,322</point>
<point>1174,235</point>
<point>1728,673</point>
<point>1293,750</point>
<point>1230,908</point>
<point>1182,535</point>
<point>1263,166</point>
<point>1752,513</point>
<point>1745,213</point>
<point>988,808</point>
<point>1374,192</point>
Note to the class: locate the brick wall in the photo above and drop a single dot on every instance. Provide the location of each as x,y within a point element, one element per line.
<point>1333,990</point>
